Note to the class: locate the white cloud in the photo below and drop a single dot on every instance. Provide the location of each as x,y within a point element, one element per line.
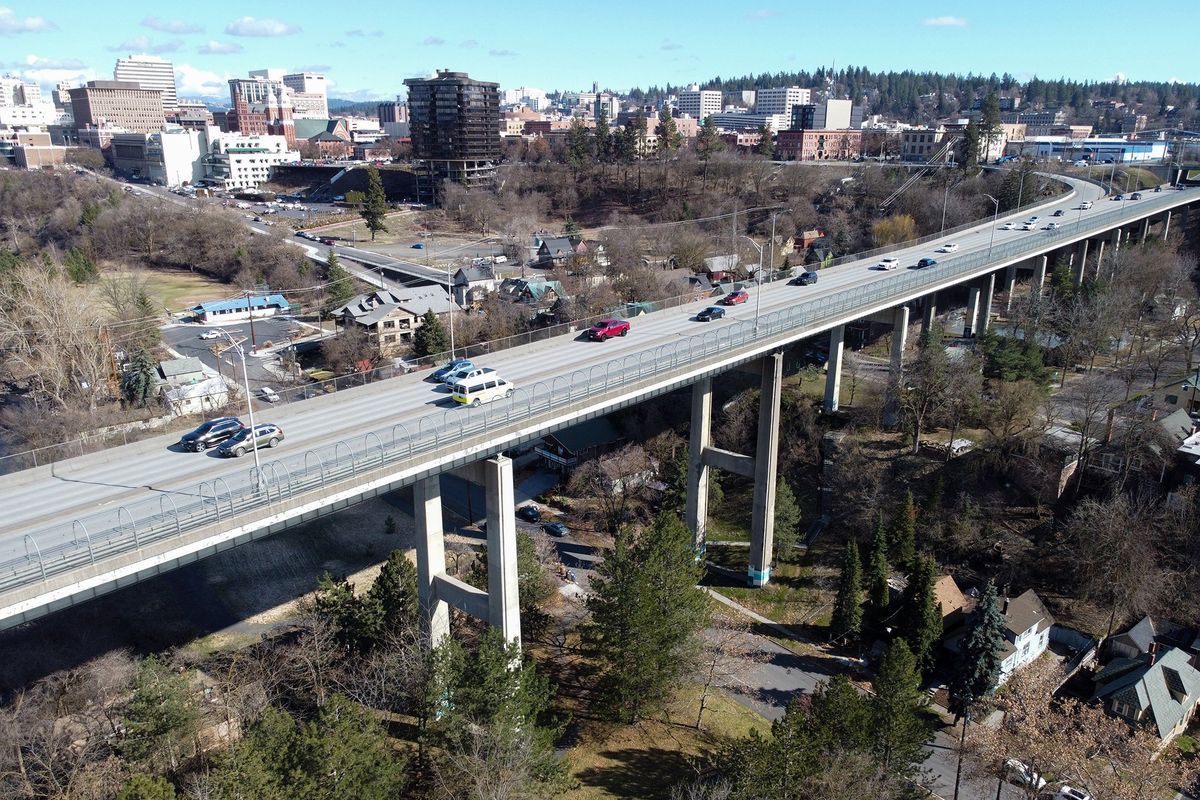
<point>199,82</point>
<point>170,25</point>
<point>945,22</point>
<point>11,24</point>
<point>213,48</point>
<point>49,77</point>
<point>250,26</point>
<point>142,44</point>
<point>38,62</point>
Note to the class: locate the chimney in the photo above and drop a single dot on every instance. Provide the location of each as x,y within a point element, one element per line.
<point>1108,429</point>
<point>1153,653</point>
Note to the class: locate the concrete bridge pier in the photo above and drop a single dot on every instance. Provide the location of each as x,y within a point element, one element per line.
<point>766,462</point>
<point>699,440</point>
<point>1116,239</point>
<point>928,312</point>
<point>899,338</point>
<point>1145,232</point>
<point>1010,286</point>
<point>833,367</point>
<point>1080,264</point>
<point>1166,224</point>
<point>1039,275</point>
<point>972,314</point>
<point>431,558</point>
<point>987,288</point>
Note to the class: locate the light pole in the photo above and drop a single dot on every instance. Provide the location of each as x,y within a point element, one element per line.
<point>995,219</point>
<point>249,401</point>
<point>450,310</point>
<point>945,201</point>
<point>758,281</point>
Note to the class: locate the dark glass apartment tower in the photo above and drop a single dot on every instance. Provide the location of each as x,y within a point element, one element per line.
<point>455,128</point>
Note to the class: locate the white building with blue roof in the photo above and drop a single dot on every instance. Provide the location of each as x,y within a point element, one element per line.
<point>240,308</point>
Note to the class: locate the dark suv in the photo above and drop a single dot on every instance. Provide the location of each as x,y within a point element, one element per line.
<point>804,279</point>
<point>210,434</point>
<point>265,435</point>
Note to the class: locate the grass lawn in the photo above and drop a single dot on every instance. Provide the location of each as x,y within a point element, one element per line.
<point>797,594</point>
<point>646,759</point>
<point>176,289</point>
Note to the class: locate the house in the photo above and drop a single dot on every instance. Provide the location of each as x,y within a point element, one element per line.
<point>196,398</point>
<point>719,268</point>
<point>391,317</point>
<point>1159,688</point>
<point>568,447</point>
<point>1047,473</point>
<point>472,284</point>
<point>1148,632</point>
<point>181,371</point>
<point>560,249</point>
<point>533,292</point>
<point>953,604</point>
<point>1026,631</point>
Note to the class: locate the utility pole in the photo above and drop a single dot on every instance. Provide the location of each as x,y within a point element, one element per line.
<point>250,314</point>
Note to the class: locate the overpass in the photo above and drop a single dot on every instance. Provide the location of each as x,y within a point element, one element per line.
<point>89,525</point>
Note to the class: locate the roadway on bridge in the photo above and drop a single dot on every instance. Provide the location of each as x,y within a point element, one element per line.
<point>96,485</point>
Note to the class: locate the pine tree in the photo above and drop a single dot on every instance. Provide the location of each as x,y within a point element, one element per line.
<point>977,669</point>
<point>904,532</point>
<point>391,604</point>
<point>970,149</point>
<point>708,144</point>
<point>339,286</point>
<point>159,717</point>
<point>431,338</point>
<point>839,717</point>
<point>669,138</point>
<point>646,615</point>
<point>80,268</point>
<point>898,730</point>
<point>766,145</point>
<point>144,787</point>
<point>847,608</point>
<point>879,594</point>
<point>921,617</point>
<point>787,520</point>
<point>374,211</point>
<point>579,146</point>
<point>139,382</point>
<point>603,135</point>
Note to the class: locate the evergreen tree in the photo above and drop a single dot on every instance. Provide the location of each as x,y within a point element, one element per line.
<point>579,146</point>
<point>847,608</point>
<point>159,717</point>
<point>138,384</point>
<point>839,717</point>
<point>787,520</point>
<point>879,595</point>
<point>79,267</point>
<point>669,138</point>
<point>898,730</point>
<point>921,616</point>
<point>990,123</point>
<point>708,144</point>
<point>144,787</point>
<point>603,135</point>
<point>374,211</point>
<point>766,145</point>
<point>145,333</point>
<point>339,286</point>
<point>391,604</point>
<point>970,149</point>
<point>431,338</point>
<point>904,532</point>
<point>334,601</point>
<point>646,615</point>
<point>533,589</point>
<point>977,669</point>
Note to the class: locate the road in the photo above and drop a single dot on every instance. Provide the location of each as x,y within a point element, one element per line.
<point>98,484</point>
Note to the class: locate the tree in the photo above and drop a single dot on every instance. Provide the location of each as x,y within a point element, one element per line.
<point>898,730</point>
<point>766,143</point>
<point>646,612</point>
<point>374,211</point>
<point>894,229</point>
<point>350,350</point>
<point>977,669</point>
<point>787,519</point>
<point>921,616</point>
<point>159,717</point>
<point>729,647</point>
<point>669,138</point>
<point>603,135</point>
<point>970,149</point>
<point>533,586</point>
<point>145,787</point>
<point>708,144</point>
<point>846,624</point>
<point>80,268</point>
<point>339,285</point>
<point>139,383</point>
<point>923,385</point>
<point>989,125</point>
<point>431,337</point>
<point>355,198</point>
<point>903,540</point>
<point>579,147</point>
<point>878,592</point>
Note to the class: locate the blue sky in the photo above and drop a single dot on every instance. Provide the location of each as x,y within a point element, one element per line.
<point>566,45</point>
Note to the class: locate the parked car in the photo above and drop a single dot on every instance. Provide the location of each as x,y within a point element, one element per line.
<point>530,513</point>
<point>264,435</point>
<point>210,434</point>
<point>736,298</point>
<point>1058,212</point>
<point>215,333</point>
<point>926,262</point>
<point>948,247</point>
<point>804,279</point>
<point>268,394</point>
<point>889,263</point>
<point>1135,196</point>
<point>608,328</point>
<point>1066,792</point>
<point>1021,774</point>
<point>556,529</point>
<point>439,376</point>
<point>711,313</point>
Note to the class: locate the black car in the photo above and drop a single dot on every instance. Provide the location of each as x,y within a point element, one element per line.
<point>265,435</point>
<point>556,529</point>
<point>530,513</point>
<point>210,434</point>
<point>925,262</point>
<point>711,313</point>
<point>1135,196</point>
<point>1058,213</point>
<point>805,278</point>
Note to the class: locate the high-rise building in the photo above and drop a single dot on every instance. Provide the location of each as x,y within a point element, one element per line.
<point>261,106</point>
<point>455,128</point>
<point>780,100</point>
<point>62,95</point>
<point>829,115</point>
<point>699,103</point>
<point>16,92</point>
<point>121,104</point>
<point>150,72</point>
<point>310,98</point>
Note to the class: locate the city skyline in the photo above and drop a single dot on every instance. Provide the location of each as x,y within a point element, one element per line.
<point>568,50</point>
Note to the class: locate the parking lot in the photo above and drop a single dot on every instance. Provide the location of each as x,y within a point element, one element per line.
<point>184,338</point>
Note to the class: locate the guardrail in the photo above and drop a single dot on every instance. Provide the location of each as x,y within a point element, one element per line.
<point>93,539</point>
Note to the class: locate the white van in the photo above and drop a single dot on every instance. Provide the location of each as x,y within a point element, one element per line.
<point>482,389</point>
<point>500,260</point>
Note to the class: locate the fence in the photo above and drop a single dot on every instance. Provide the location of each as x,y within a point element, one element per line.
<point>60,549</point>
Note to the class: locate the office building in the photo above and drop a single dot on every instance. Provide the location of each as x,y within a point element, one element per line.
<point>174,156</point>
<point>121,104</point>
<point>310,99</point>
<point>741,121</point>
<point>818,145</point>
<point>780,100</point>
<point>608,103</point>
<point>455,129</point>
<point>16,92</point>
<point>194,115</point>
<point>150,72</point>
<point>62,95</point>
<point>244,161</point>
<point>831,115</point>
<point>262,106</point>
<point>699,103</point>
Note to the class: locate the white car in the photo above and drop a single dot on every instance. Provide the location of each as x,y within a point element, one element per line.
<point>949,247</point>
<point>1052,226</point>
<point>215,333</point>
<point>1066,792</point>
<point>1008,226</point>
<point>1028,226</point>
<point>268,394</point>
<point>889,263</point>
<point>1023,775</point>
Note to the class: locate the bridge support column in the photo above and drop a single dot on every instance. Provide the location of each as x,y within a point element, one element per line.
<point>833,368</point>
<point>1039,275</point>
<point>766,460</point>
<point>1080,264</point>
<point>431,559</point>
<point>699,438</point>
<point>1099,255</point>
<point>986,290</point>
<point>899,337</point>
<point>928,312</point>
<point>972,315</point>
<point>1145,234</point>
<point>1010,286</point>
<point>1166,224</point>
<point>504,609</point>
<point>1116,240</point>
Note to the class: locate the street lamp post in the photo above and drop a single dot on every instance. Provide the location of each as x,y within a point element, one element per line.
<point>995,219</point>
<point>450,310</point>
<point>758,281</point>
<point>249,400</point>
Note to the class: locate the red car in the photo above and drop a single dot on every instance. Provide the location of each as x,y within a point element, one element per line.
<point>736,298</point>
<point>607,328</point>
